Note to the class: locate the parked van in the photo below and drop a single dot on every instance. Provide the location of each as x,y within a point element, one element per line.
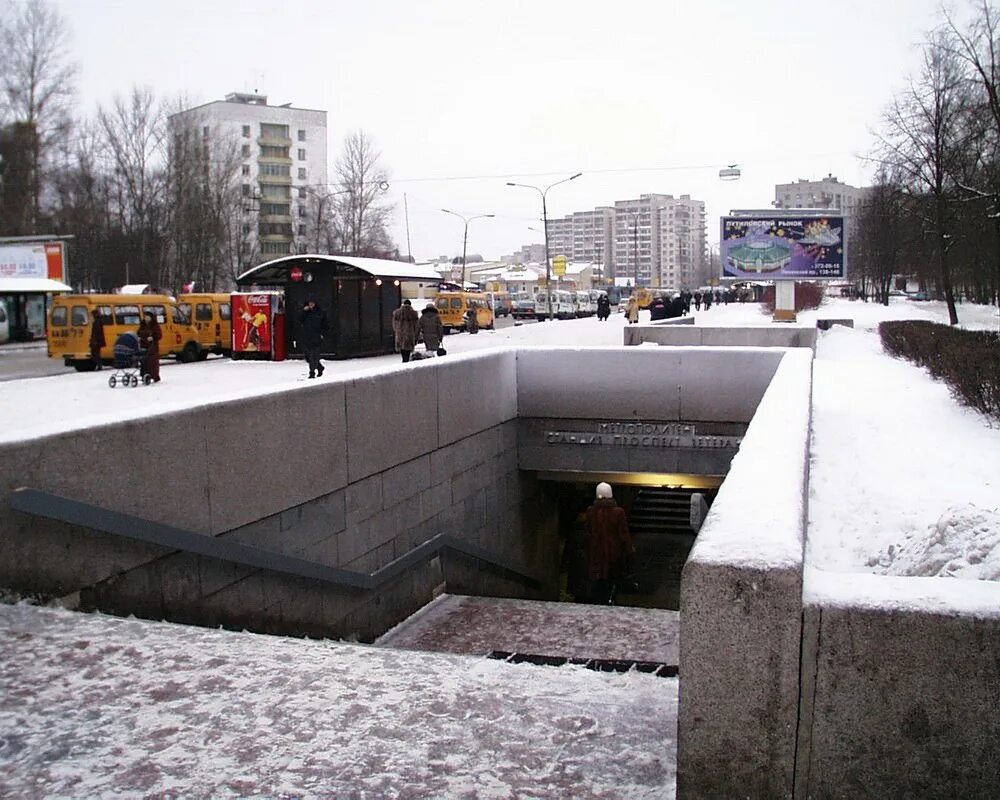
<point>501,303</point>
<point>585,307</point>
<point>4,324</point>
<point>211,316</point>
<point>452,307</point>
<point>70,319</point>
<point>524,305</point>
<point>563,306</point>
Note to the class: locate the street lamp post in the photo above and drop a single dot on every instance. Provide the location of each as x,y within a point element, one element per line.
<point>545,224</point>
<point>465,236</point>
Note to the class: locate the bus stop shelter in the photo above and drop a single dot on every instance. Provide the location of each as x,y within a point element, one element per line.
<point>357,294</point>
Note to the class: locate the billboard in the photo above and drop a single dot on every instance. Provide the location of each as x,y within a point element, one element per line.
<point>792,247</point>
<point>33,261</point>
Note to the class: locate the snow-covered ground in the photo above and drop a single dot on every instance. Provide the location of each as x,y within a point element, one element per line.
<point>903,481</point>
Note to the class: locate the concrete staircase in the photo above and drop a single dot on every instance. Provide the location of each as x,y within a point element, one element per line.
<point>605,638</point>
<point>660,523</point>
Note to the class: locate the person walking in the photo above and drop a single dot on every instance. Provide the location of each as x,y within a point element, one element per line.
<point>432,330</point>
<point>149,340</point>
<point>609,545</point>
<point>632,310</point>
<point>603,308</point>
<point>97,340</point>
<point>472,318</point>
<point>313,326</point>
<point>405,324</point>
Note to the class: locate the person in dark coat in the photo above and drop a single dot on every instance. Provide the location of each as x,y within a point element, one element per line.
<point>149,340</point>
<point>472,318</point>
<point>405,324</point>
<point>431,329</point>
<point>97,340</point>
<point>313,326</point>
<point>609,545</point>
<point>603,308</point>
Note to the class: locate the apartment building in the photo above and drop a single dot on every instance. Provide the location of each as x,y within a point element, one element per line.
<point>682,240</point>
<point>826,193</point>
<point>282,153</point>
<point>655,239</point>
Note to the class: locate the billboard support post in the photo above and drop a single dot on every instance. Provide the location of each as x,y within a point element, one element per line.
<point>784,301</point>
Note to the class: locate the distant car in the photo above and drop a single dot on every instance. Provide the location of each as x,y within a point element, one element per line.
<point>919,296</point>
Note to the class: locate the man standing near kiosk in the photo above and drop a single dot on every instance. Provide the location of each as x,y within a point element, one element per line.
<point>313,327</point>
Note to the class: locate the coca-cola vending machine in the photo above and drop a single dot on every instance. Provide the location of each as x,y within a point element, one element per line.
<point>259,325</point>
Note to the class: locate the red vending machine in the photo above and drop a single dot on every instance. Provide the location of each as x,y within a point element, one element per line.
<point>259,325</point>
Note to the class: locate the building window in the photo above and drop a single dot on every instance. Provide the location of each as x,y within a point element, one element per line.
<point>246,169</point>
<point>205,131</point>
<point>302,173</point>
<point>246,151</point>
<point>302,135</point>
<point>302,192</point>
<point>246,189</point>
<point>302,211</point>
<point>302,230</point>
<point>302,154</point>
<point>246,131</point>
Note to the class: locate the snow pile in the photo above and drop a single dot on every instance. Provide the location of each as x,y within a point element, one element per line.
<point>891,448</point>
<point>963,543</point>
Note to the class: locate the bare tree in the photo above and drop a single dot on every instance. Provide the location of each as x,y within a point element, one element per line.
<point>134,137</point>
<point>203,194</point>
<point>923,140</point>
<point>878,245</point>
<point>36,81</point>
<point>978,47</point>
<point>360,215</point>
<point>81,206</point>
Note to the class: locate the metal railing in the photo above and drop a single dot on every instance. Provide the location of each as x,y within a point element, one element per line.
<point>51,506</point>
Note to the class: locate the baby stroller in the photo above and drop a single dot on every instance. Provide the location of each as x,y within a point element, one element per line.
<point>129,360</point>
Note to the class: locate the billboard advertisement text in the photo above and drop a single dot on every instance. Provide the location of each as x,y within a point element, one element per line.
<point>795,247</point>
<point>32,261</point>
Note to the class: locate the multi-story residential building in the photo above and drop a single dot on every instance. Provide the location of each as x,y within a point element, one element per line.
<point>585,236</point>
<point>656,239</point>
<point>682,258</point>
<point>282,154</point>
<point>825,193</point>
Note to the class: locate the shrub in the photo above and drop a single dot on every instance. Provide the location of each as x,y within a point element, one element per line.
<point>807,296</point>
<point>968,361</point>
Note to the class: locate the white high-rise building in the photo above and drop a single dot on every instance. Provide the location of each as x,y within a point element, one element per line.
<point>283,166</point>
<point>682,262</point>
<point>656,239</point>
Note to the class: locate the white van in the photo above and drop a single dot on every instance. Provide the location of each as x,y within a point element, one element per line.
<point>4,324</point>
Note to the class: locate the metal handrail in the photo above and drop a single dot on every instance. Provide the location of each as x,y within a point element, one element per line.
<point>74,512</point>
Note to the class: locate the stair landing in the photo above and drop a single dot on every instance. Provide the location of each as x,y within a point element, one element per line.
<point>483,625</point>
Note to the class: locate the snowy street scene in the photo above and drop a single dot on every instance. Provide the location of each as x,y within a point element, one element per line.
<point>453,401</point>
<point>95,705</point>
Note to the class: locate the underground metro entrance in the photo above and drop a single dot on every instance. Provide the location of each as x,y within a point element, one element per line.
<point>659,511</point>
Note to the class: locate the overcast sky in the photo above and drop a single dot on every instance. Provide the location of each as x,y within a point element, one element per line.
<point>461,97</point>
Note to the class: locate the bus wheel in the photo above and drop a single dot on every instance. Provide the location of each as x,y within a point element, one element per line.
<point>188,354</point>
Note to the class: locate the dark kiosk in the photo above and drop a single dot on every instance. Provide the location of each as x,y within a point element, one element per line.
<point>357,294</point>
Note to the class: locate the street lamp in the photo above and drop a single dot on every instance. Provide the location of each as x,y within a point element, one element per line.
<point>545,223</point>
<point>465,236</point>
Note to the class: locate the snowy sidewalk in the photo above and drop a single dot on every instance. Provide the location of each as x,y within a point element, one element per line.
<point>95,706</point>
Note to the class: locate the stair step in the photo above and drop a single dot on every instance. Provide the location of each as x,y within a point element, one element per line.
<point>481,625</point>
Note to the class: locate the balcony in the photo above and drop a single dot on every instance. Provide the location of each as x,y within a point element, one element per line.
<point>284,161</point>
<point>275,180</point>
<point>274,141</point>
